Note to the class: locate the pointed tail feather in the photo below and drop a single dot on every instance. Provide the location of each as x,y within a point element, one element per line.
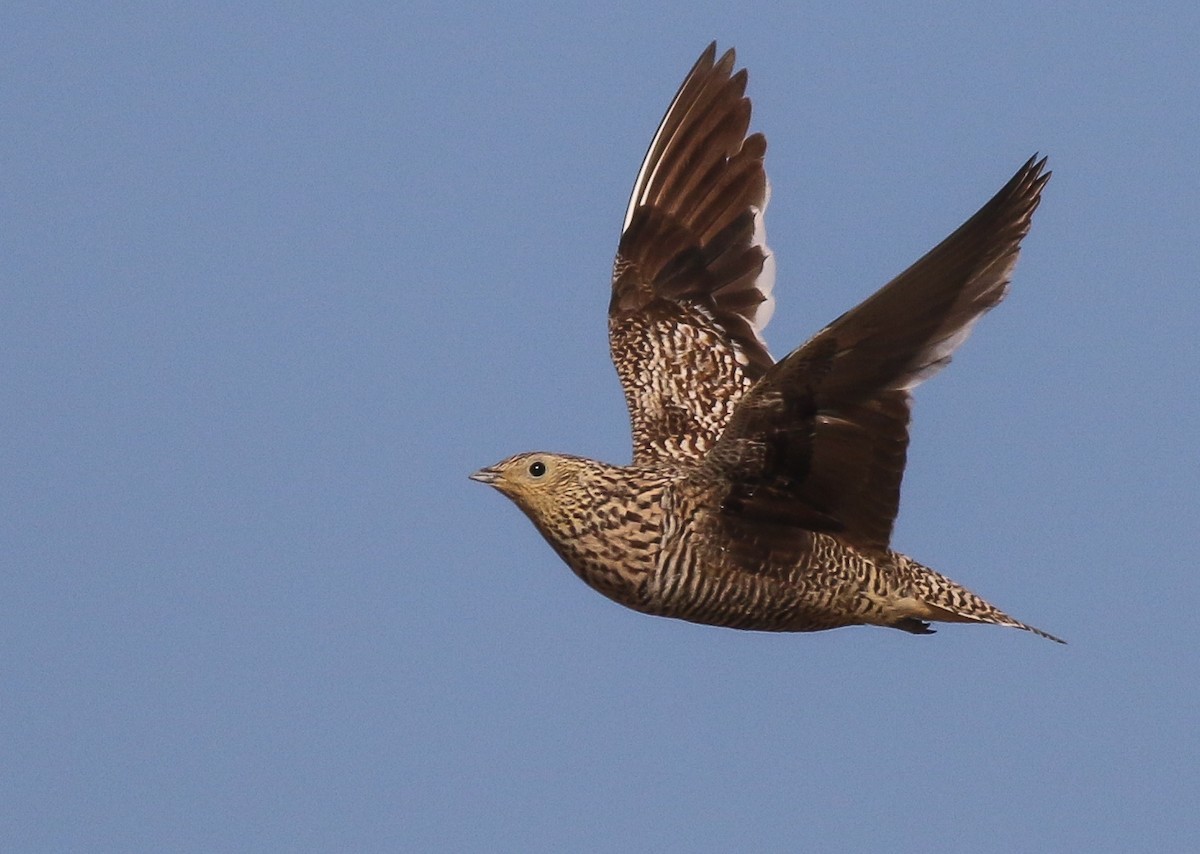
<point>990,615</point>
<point>941,599</point>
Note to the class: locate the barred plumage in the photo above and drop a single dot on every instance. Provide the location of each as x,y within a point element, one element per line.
<point>761,495</point>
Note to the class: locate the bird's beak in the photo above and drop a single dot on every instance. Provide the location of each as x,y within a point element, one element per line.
<point>486,475</point>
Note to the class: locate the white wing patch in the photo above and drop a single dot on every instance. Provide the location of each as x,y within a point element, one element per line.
<point>766,279</point>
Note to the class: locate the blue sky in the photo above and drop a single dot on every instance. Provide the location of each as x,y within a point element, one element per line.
<point>276,278</point>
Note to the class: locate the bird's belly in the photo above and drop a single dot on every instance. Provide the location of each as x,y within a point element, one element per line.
<point>744,600</point>
<point>831,587</point>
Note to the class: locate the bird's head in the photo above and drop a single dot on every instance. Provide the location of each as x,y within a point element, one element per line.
<point>553,490</point>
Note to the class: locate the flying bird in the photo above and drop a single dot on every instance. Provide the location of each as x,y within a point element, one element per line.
<point>761,494</point>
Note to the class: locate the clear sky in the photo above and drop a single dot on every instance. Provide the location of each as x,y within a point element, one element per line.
<point>276,278</point>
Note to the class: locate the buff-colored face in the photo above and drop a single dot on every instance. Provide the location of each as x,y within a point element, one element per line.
<point>534,481</point>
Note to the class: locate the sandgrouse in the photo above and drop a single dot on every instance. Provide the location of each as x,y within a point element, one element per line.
<point>762,494</point>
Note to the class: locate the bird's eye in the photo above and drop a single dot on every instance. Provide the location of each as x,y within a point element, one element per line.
<point>537,469</point>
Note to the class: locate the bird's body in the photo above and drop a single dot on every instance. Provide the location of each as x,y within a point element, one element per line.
<point>655,539</point>
<point>762,494</point>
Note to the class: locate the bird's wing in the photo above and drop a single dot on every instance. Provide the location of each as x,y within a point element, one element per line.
<point>819,442</point>
<point>692,279</point>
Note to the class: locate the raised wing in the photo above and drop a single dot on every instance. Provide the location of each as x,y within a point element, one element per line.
<point>692,277</point>
<point>819,443</point>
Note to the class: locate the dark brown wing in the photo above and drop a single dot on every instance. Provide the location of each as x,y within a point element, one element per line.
<point>820,441</point>
<point>692,277</point>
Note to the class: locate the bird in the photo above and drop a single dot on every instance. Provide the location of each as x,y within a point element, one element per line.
<point>761,495</point>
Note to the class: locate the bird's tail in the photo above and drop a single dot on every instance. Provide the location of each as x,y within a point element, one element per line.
<point>947,601</point>
<point>993,615</point>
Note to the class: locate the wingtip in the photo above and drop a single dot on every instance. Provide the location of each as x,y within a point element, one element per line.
<point>1035,169</point>
<point>707,58</point>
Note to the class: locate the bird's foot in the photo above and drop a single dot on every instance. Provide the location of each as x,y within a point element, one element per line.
<point>913,625</point>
